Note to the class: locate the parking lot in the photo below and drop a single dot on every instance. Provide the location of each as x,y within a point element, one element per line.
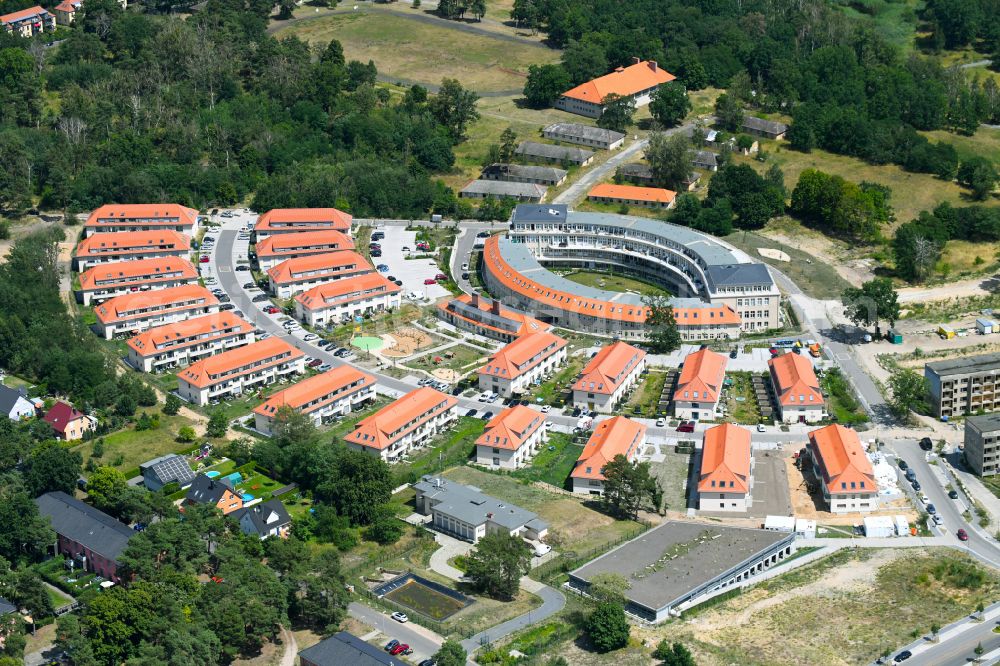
<point>412,272</point>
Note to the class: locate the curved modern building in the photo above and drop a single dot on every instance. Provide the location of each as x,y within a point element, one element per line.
<point>718,292</point>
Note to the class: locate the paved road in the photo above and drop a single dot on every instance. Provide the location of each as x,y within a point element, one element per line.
<point>978,63</point>
<point>423,641</point>
<point>957,642</point>
<point>553,601</point>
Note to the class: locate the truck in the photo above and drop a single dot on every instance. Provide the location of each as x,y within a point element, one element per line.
<point>814,350</point>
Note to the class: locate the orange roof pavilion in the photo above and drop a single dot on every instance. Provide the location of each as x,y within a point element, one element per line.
<point>612,437</point>
<point>609,368</point>
<point>842,460</point>
<point>703,374</point>
<point>725,461</point>
<point>633,193</point>
<point>624,81</point>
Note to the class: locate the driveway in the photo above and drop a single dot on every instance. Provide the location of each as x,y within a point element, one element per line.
<point>423,641</point>
<point>412,272</point>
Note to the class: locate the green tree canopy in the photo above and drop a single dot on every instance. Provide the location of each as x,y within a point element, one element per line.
<point>497,564</point>
<point>607,627</point>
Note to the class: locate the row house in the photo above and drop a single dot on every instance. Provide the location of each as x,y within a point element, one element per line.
<point>91,539</point>
<point>522,363</point>
<point>105,281</point>
<point>295,220</point>
<point>408,423</point>
<point>239,371</point>
<point>341,300</point>
<point>184,342</point>
<point>116,218</point>
<point>633,195</point>
<point>140,311</point>
<point>130,246</point>
<point>322,397</point>
<point>294,276</point>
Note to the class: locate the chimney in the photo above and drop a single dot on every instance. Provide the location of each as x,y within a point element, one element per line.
<point>475,300</point>
<point>652,65</point>
<point>495,308</point>
<point>635,60</point>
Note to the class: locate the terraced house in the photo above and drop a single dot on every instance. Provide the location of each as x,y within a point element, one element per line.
<point>613,437</point>
<point>112,218</point>
<point>523,362</point>
<point>294,276</point>
<point>408,423</point>
<point>843,470</point>
<point>239,371</point>
<point>340,300</point>
<point>322,397</point>
<point>511,438</point>
<point>106,248</point>
<point>106,281</point>
<point>274,249</point>
<point>608,377</point>
<point>184,342</point>
<point>137,312</point>
<point>295,220</point>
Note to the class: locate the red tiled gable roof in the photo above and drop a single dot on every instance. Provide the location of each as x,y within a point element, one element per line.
<point>842,460</point>
<point>725,461</point>
<point>703,373</point>
<point>316,387</point>
<point>213,369</point>
<point>522,354</point>
<point>154,270</point>
<point>304,241</point>
<point>612,437</point>
<point>511,428</point>
<point>142,214</point>
<point>609,368</point>
<point>61,415</point>
<point>633,193</point>
<point>195,330</point>
<point>365,285</point>
<point>392,422</point>
<point>291,270</point>
<point>624,81</point>
<point>793,376</point>
<point>28,13</point>
<point>120,242</point>
<point>122,307</point>
<point>304,218</point>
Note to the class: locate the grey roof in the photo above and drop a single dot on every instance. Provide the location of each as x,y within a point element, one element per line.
<point>9,397</point>
<point>6,607</point>
<point>984,422</point>
<point>585,132</point>
<point>205,490</point>
<point>737,275</point>
<point>668,562</point>
<point>470,505</point>
<point>761,125</point>
<point>966,365</point>
<point>505,188</point>
<point>540,213</point>
<point>343,648</point>
<point>264,516</point>
<point>170,468</point>
<point>84,524</point>
<point>705,158</point>
<point>552,152</point>
<point>526,171</point>
<point>637,170</point>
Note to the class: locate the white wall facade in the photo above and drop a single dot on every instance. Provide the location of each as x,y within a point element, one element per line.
<point>499,458</point>
<point>186,355</point>
<point>239,385</point>
<point>410,440</point>
<point>335,311</point>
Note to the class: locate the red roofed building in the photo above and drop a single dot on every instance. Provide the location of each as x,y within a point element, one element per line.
<point>800,399</point>
<point>239,371</point>
<point>185,342</point>
<point>321,397</point>
<point>292,220</point>
<point>725,480</point>
<point>511,438</point>
<point>612,437</point>
<point>66,10</point>
<point>633,195</point>
<point>67,422</point>
<point>293,276</point>
<point>112,218</point>
<point>489,318</point>
<point>274,249</point>
<point>699,385</point>
<point>521,363</point>
<point>608,377</point>
<point>130,246</point>
<point>638,81</point>
<point>408,423</point>
<point>136,312</point>
<point>105,281</point>
<point>28,22</point>
<point>340,300</point>
<point>843,470</point>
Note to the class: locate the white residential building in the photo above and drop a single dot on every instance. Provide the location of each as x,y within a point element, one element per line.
<point>521,363</point>
<point>511,438</point>
<point>184,342</point>
<point>239,371</point>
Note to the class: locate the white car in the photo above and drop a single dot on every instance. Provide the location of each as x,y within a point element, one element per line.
<point>760,427</point>
<point>483,397</point>
<point>400,617</point>
<point>546,409</point>
<point>541,549</point>
<point>465,267</point>
<point>660,423</point>
<point>309,337</point>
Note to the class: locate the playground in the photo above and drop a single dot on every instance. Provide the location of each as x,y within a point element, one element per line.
<point>405,342</point>
<point>367,343</point>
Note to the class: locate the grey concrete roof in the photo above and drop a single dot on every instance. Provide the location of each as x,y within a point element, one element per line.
<point>553,152</point>
<point>637,169</point>
<point>84,524</point>
<point>472,506</point>
<point>966,365</point>
<point>984,422</point>
<point>706,158</point>
<point>761,125</point>
<point>505,188</point>
<point>738,275</point>
<point>540,213</point>
<point>666,563</point>
<point>343,648</point>
<point>585,132</point>
<point>527,171</point>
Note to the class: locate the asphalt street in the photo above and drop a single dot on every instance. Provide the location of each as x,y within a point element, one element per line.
<point>423,641</point>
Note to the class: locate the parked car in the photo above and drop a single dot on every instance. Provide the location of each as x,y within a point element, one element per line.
<point>926,444</point>
<point>686,426</point>
<point>324,367</point>
<point>426,662</point>
<point>249,285</point>
<point>761,428</point>
<point>661,422</point>
<point>383,268</point>
<point>484,396</point>
<point>931,509</point>
<point>398,283</point>
<point>733,354</point>
<point>260,298</point>
<point>440,276</point>
<point>400,617</point>
<point>242,267</point>
<point>227,306</point>
<point>962,535</point>
<point>938,520</point>
<point>953,494</point>
<point>465,267</point>
<point>774,351</point>
<point>902,464</point>
<point>391,644</point>
<point>465,276</point>
<point>471,413</point>
<point>430,281</point>
<point>402,648</point>
<point>916,485</point>
<point>406,249</point>
<point>902,656</point>
<point>309,337</point>
<point>204,259</point>
<point>546,409</point>
<point>486,416</point>
<point>376,253</point>
<point>483,234</point>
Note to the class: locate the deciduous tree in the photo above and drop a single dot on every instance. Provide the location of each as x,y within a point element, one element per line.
<point>618,113</point>
<point>670,104</point>
<point>497,564</point>
<point>608,627</point>
<point>870,304</point>
<point>545,84</point>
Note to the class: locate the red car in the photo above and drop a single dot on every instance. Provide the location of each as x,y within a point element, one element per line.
<point>423,246</point>
<point>962,535</point>
<point>402,648</point>
<point>440,276</point>
<point>774,351</point>
<point>204,259</point>
<point>430,281</point>
<point>686,426</point>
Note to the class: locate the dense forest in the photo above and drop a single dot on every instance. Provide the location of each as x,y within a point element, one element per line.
<point>133,106</point>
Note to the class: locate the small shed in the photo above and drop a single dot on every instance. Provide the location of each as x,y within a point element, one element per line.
<point>805,528</point>
<point>879,527</point>
<point>946,332</point>
<point>779,523</point>
<point>902,526</point>
<point>986,326</point>
<point>895,337</point>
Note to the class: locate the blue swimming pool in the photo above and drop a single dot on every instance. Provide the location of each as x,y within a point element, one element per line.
<point>235,478</point>
<point>247,497</point>
<point>212,474</point>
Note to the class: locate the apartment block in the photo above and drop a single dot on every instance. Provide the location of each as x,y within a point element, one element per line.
<point>964,385</point>
<point>341,300</point>
<point>295,220</point>
<point>406,424</point>
<point>113,218</point>
<point>185,342</point>
<point>274,249</point>
<point>105,281</point>
<point>522,363</point>
<point>511,438</point>
<point>608,377</point>
<point>105,248</point>
<point>239,371</point>
<point>140,311</point>
<point>322,397</point>
<point>982,444</point>
<point>294,276</point>
<point>841,466</point>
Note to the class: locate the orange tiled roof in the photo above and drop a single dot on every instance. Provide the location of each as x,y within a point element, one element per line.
<point>363,285</point>
<point>156,269</point>
<point>515,358</point>
<point>199,329</point>
<point>793,376</point>
<point>147,214</point>
<point>624,81</point>
<point>23,14</point>
<point>287,270</point>
<point>615,436</point>
<point>609,368</point>
<point>69,6</point>
<point>304,218</point>
<point>390,423</point>
<point>511,428</point>
<point>316,387</point>
<point>117,308</point>
<point>709,314</point>
<point>214,369</point>
<point>842,460</point>
<point>526,324</point>
<point>121,242</point>
<point>304,241</point>
<point>703,373</point>
<point>725,460</point>
<point>632,193</point>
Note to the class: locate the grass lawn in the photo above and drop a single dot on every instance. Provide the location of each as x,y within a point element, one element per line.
<point>611,282</point>
<point>551,391</point>
<point>572,524</point>
<point>454,358</point>
<point>742,402</point>
<point>841,401</point>
<point>984,143</point>
<point>646,397</point>
<point>426,53</point>
<point>454,447</point>
<point>554,462</point>
<point>243,406</point>
<point>816,279</point>
<point>127,449</point>
<point>16,382</point>
<point>673,474</point>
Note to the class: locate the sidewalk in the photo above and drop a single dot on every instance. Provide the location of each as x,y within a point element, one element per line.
<point>922,644</point>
